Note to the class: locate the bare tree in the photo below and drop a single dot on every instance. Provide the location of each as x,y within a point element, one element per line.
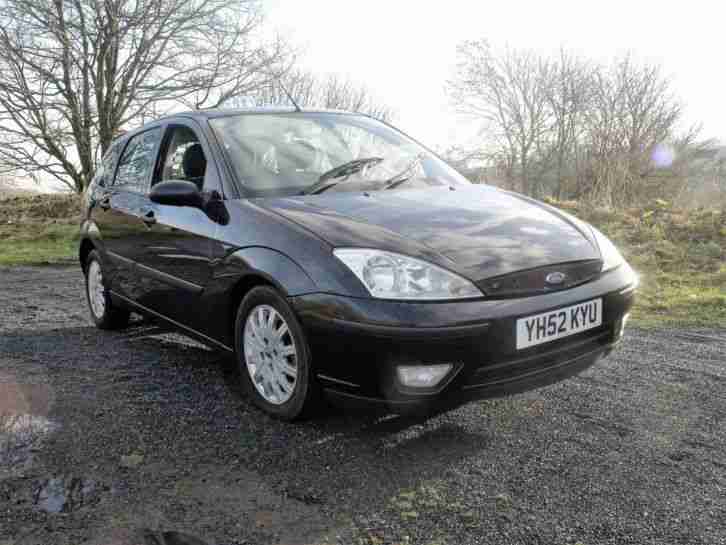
<point>568,96</point>
<point>508,94</point>
<point>302,85</point>
<point>687,170</point>
<point>75,72</point>
<point>632,111</point>
<point>330,91</point>
<point>573,128</point>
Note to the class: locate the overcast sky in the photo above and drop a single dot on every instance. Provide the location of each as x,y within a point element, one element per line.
<point>405,49</point>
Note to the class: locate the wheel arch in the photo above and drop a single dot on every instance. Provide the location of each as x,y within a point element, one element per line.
<point>86,247</point>
<point>243,286</point>
<point>260,266</point>
<point>90,240</point>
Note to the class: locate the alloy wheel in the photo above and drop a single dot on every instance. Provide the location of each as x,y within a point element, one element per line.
<point>96,293</point>
<point>270,354</point>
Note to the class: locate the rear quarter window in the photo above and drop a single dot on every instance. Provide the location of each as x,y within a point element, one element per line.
<point>104,173</point>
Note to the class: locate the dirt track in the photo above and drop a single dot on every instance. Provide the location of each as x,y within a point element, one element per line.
<point>147,430</point>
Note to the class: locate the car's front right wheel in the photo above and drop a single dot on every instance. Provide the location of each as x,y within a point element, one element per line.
<point>273,355</point>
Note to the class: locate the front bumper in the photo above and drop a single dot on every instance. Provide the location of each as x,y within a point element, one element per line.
<point>358,343</point>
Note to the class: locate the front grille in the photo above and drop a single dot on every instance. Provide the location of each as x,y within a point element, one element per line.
<point>534,281</point>
<point>540,358</point>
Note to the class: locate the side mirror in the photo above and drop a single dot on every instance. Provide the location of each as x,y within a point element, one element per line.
<point>177,193</point>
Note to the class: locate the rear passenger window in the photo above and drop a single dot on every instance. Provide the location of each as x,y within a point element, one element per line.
<point>137,161</point>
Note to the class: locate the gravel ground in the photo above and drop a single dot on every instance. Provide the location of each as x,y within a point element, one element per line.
<point>126,433</point>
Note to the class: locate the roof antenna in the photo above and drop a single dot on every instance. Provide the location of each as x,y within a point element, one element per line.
<point>289,96</point>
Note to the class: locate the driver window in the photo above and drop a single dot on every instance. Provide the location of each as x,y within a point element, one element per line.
<point>184,159</point>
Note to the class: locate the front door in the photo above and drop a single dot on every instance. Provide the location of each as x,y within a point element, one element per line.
<point>176,262</point>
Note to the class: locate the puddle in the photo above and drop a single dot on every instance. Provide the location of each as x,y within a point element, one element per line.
<point>65,494</point>
<point>24,410</point>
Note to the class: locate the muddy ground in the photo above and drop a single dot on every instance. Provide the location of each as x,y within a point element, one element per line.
<point>116,438</point>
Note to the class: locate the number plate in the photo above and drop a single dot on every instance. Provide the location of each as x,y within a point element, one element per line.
<point>548,326</point>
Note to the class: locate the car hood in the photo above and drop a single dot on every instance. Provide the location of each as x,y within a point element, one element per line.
<point>478,231</point>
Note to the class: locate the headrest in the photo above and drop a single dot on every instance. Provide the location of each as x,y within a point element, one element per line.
<point>193,162</point>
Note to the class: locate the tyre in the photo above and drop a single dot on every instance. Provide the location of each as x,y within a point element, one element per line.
<point>103,312</point>
<point>273,355</point>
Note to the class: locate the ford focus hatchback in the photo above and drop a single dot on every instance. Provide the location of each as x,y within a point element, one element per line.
<point>333,256</point>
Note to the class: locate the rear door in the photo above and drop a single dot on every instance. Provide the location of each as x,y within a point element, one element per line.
<point>176,264</point>
<point>97,199</point>
<point>121,207</point>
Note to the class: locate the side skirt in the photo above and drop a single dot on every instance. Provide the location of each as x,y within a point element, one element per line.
<point>176,325</point>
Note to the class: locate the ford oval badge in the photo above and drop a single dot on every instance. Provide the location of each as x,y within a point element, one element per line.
<point>555,278</point>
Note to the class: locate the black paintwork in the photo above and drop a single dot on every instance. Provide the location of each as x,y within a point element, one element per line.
<point>372,336</point>
<point>477,231</point>
<point>190,265</point>
<point>177,193</point>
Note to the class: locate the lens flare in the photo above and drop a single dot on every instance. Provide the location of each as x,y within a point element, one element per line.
<point>663,155</point>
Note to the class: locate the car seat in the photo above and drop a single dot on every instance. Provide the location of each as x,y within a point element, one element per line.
<point>194,164</point>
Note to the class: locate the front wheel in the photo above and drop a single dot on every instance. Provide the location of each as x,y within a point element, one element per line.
<point>273,355</point>
<point>103,312</point>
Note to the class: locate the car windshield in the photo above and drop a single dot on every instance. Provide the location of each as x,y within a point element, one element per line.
<point>289,154</point>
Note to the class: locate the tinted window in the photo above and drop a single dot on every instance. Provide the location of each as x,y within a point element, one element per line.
<point>137,161</point>
<point>104,173</point>
<point>185,159</point>
<point>109,160</point>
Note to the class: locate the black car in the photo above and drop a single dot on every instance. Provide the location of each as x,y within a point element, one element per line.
<point>335,257</point>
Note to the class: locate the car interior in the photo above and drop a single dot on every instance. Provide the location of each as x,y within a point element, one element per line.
<point>185,159</point>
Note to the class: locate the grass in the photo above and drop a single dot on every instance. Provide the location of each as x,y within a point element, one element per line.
<point>38,243</point>
<point>41,229</point>
<point>680,254</point>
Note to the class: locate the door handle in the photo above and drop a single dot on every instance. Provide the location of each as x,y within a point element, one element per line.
<point>149,218</point>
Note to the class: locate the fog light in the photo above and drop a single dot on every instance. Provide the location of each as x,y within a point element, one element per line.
<point>422,376</point>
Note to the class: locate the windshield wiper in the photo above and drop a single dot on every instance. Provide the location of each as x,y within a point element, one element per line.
<point>329,179</point>
<point>406,174</point>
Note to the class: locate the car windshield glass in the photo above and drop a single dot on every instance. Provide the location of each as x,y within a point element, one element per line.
<point>286,154</point>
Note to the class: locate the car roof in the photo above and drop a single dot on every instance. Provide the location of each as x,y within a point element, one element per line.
<point>122,139</point>
<point>212,113</point>
<point>223,112</point>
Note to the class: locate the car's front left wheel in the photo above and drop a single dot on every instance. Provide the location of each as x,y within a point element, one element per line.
<point>104,313</point>
<point>273,355</point>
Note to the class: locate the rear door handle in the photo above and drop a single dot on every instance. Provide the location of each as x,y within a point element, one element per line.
<point>149,218</point>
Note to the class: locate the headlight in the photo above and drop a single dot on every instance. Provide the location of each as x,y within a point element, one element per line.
<point>610,255</point>
<point>392,276</point>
